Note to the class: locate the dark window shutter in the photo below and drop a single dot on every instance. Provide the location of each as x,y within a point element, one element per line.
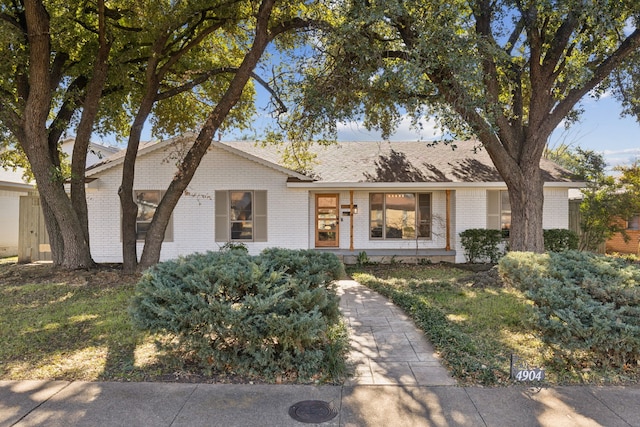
<point>493,209</point>
<point>222,216</point>
<point>260,216</point>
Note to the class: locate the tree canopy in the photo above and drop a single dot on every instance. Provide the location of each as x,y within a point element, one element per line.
<point>505,72</point>
<point>108,67</point>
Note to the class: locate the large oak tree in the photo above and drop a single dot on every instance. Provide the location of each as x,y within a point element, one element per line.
<point>52,76</point>
<point>508,72</point>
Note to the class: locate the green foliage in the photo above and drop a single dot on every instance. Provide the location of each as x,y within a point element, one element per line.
<point>481,245</point>
<point>606,199</point>
<point>587,306</point>
<point>363,259</point>
<point>560,239</point>
<point>234,246</point>
<point>271,315</point>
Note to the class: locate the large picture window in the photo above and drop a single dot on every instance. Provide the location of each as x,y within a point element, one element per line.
<point>241,216</point>
<point>148,201</point>
<point>400,215</point>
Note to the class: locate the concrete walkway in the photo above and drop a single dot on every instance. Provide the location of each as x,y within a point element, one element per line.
<point>399,382</point>
<point>387,349</point>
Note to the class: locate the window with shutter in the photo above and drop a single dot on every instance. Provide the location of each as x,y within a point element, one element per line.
<point>399,215</point>
<point>148,201</point>
<point>241,216</point>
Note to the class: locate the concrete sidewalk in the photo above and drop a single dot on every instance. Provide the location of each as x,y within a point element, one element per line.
<point>399,381</point>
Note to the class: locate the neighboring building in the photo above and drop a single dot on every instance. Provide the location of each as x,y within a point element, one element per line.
<point>388,199</point>
<point>617,243</point>
<point>22,219</point>
<point>12,186</point>
<point>95,153</point>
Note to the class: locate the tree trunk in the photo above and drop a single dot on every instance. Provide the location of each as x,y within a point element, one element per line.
<point>55,235</point>
<point>85,127</point>
<point>36,146</point>
<point>527,198</point>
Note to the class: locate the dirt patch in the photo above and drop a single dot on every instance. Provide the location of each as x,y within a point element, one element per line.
<point>102,275</point>
<point>484,278</point>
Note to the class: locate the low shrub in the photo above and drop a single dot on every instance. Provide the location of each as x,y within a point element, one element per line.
<point>481,245</point>
<point>587,306</point>
<point>560,239</point>
<point>268,316</point>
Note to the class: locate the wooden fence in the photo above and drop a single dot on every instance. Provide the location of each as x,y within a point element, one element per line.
<point>33,239</point>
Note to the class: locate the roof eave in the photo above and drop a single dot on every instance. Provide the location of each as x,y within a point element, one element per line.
<point>318,185</point>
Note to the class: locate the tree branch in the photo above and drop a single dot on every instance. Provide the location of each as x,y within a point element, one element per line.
<point>630,45</point>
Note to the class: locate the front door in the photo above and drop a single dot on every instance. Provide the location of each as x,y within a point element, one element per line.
<point>327,220</point>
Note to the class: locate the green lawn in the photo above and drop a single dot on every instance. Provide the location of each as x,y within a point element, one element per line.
<point>72,330</point>
<point>476,329</point>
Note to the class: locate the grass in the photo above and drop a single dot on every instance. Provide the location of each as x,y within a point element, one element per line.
<point>73,331</point>
<point>72,327</point>
<point>61,325</point>
<point>475,329</point>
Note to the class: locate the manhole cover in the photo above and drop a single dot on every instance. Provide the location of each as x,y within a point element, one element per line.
<point>312,411</point>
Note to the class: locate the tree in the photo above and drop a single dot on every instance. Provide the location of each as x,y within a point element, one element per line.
<point>237,35</point>
<point>47,77</point>
<point>607,201</point>
<point>507,72</point>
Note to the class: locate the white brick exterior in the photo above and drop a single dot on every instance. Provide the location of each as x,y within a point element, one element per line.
<point>193,217</point>
<point>290,212</point>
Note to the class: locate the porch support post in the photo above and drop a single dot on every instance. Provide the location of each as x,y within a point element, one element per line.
<point>448,220</point>
<point>351,220</point>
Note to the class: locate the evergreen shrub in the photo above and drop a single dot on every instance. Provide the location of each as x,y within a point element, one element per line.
<point>587,306</point>
<point>267,316</point>
<point>560,239</point>
<point>481,245</point>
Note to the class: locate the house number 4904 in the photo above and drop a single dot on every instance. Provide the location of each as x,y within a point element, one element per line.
<point>529,375</point>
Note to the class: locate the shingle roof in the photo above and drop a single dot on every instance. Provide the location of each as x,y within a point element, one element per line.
<point>375,162</point>
<point>462,161</point>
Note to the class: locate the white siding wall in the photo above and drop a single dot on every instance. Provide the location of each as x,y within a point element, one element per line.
<point>556,208</point>
<point>470,212</point>
<point>193,217</point>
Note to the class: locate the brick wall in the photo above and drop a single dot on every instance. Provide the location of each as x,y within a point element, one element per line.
<point>617,243</point>
<point>193,217</point>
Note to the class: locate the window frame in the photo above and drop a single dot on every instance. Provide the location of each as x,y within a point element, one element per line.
<point>224,221</point>
<point>633,223</point>
<point>418,221</point>
<point>168,233</point>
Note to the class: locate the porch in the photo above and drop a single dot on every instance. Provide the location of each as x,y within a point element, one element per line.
<point>387,256</point>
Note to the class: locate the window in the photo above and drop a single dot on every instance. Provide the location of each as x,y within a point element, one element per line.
<point>400,215</point>
<point>241,216</point>
<point>148,201</point>
<point>499,211</point>
<point>634,223</point>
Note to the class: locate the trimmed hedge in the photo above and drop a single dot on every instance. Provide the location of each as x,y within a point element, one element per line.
<point>273,315</point>
<point>481,245</point>
<point>587,306</point>
<point>560,239</point>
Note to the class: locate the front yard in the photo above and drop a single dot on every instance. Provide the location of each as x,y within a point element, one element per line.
<point>76,326</point>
